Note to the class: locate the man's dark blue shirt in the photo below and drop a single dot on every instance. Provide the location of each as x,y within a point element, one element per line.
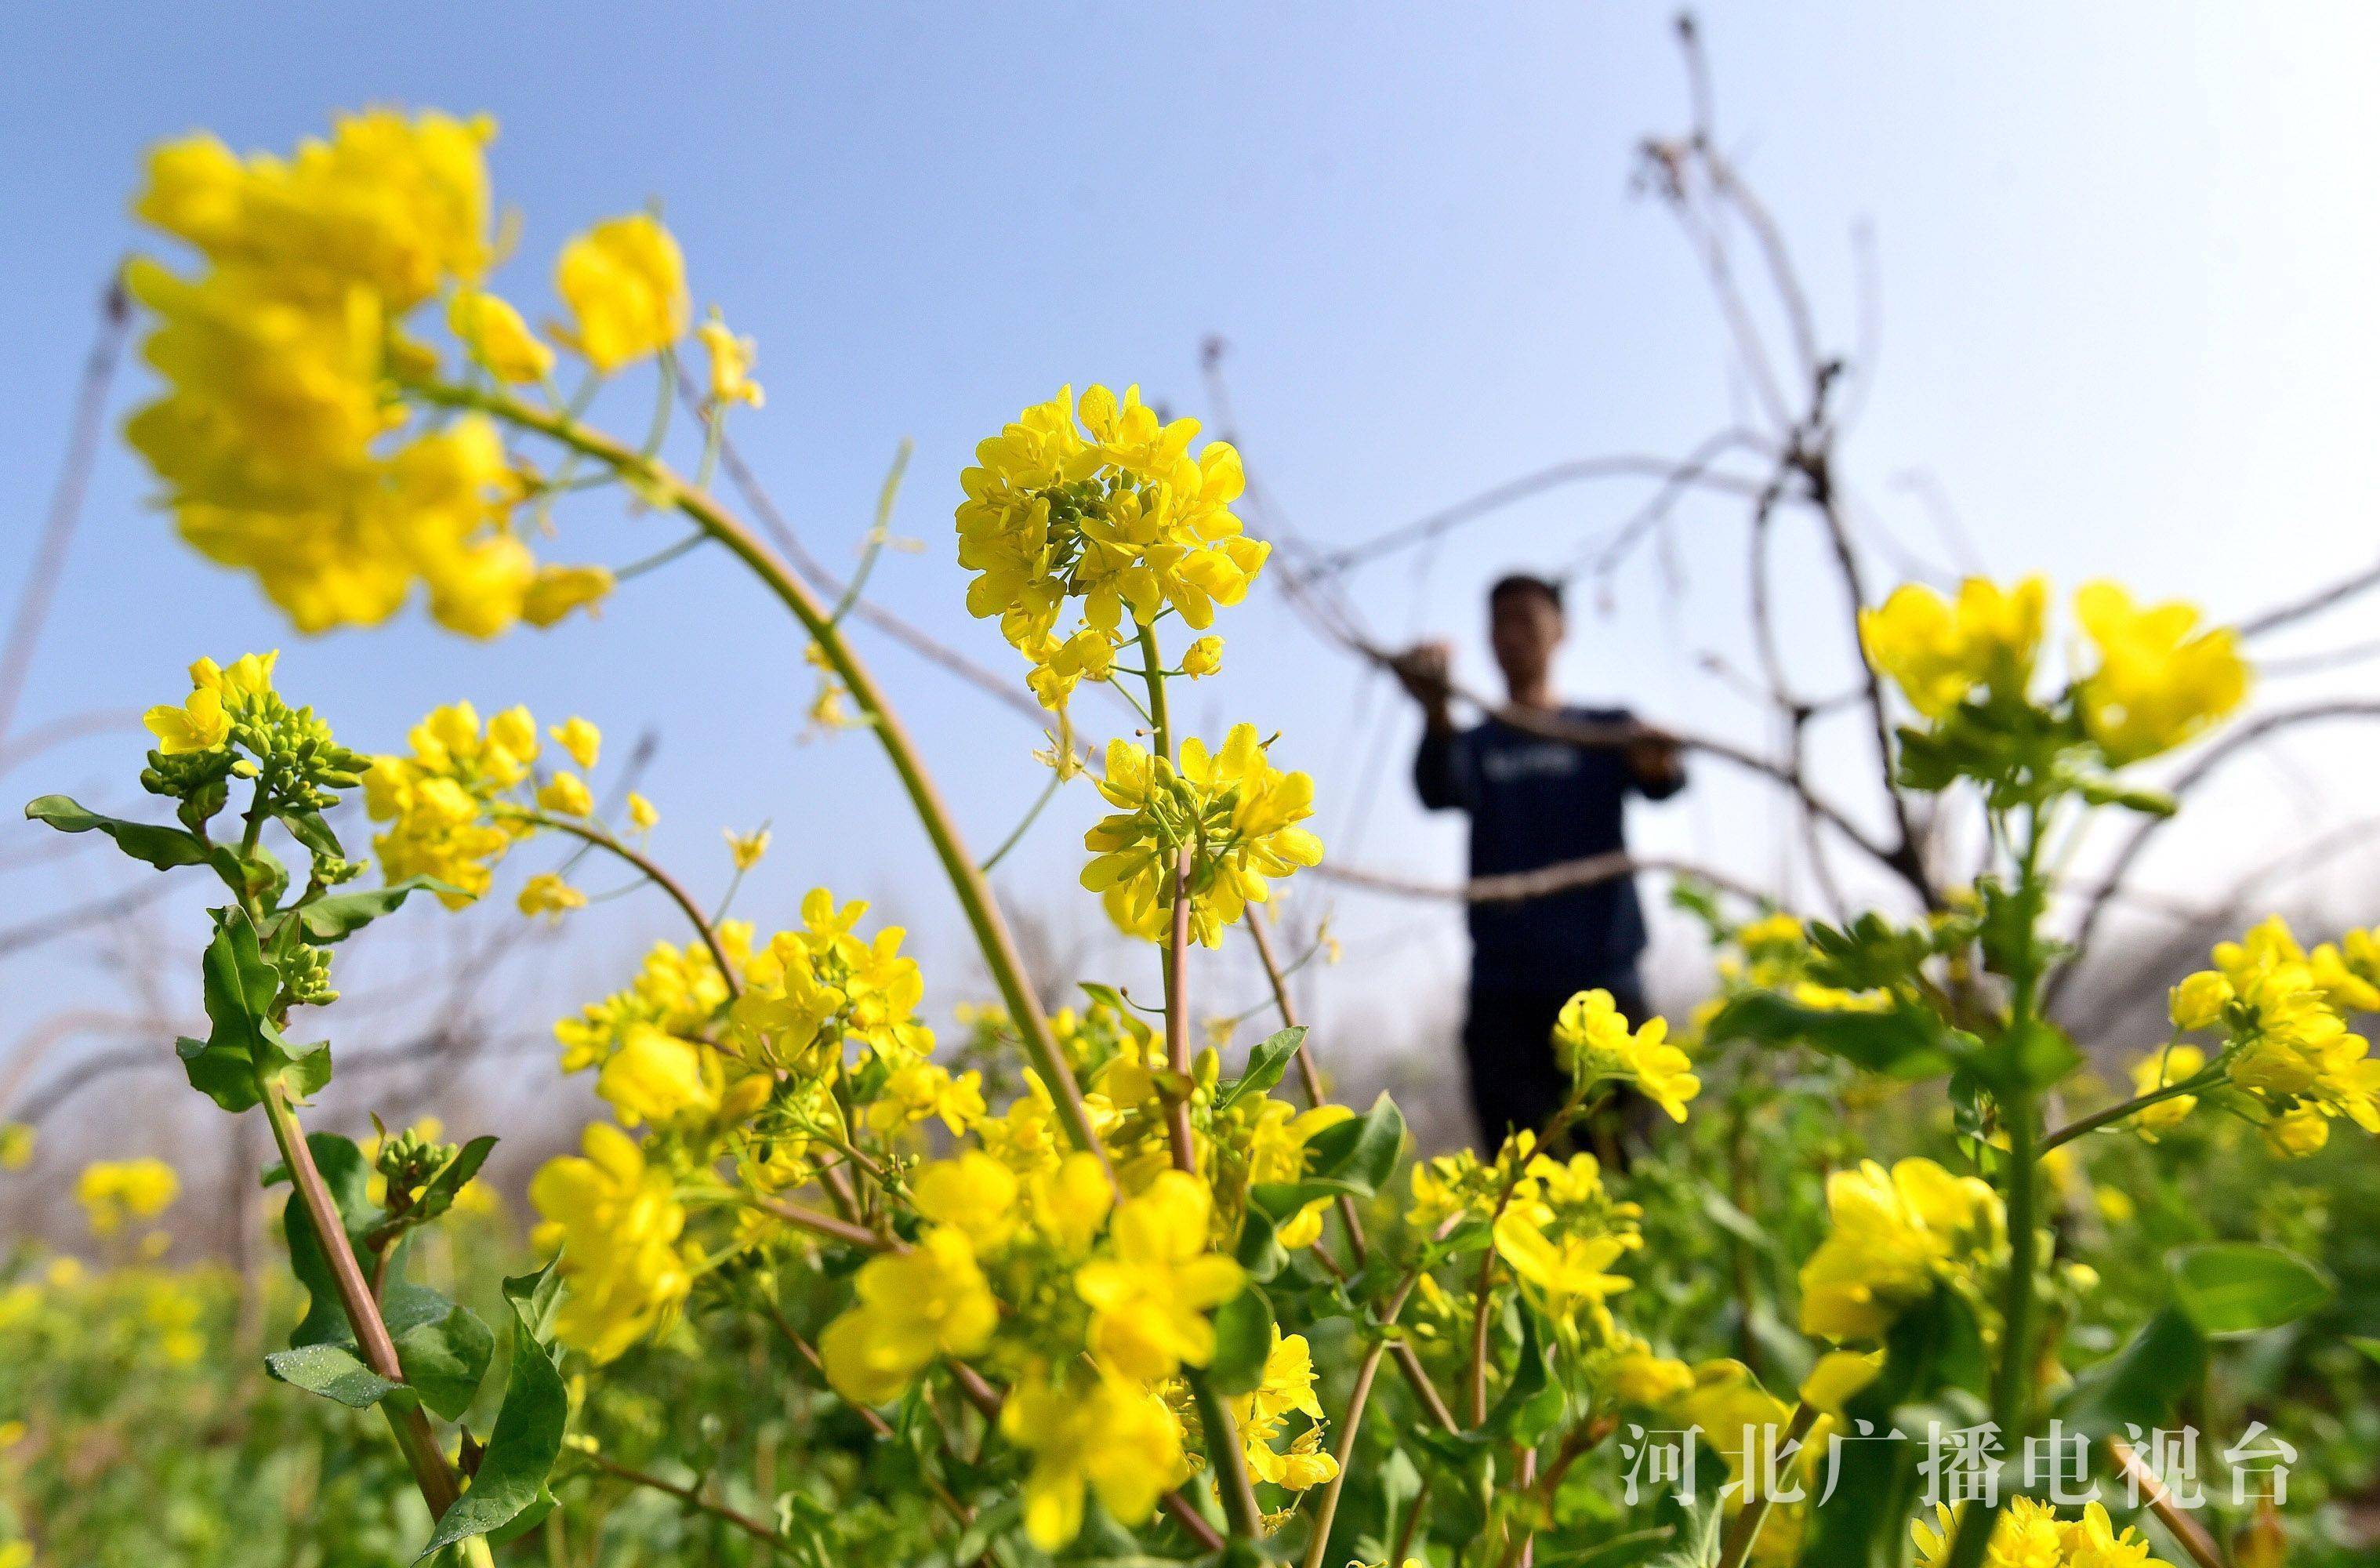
<point>1535,802</point>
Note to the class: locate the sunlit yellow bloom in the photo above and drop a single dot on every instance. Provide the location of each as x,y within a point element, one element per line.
<point>1891,1235</point>
<point>2153,1072</point>
<point>1071,1198</point>
<point>557,590</point>
<point>1203,658</point>
<point>1111,1438</point>
<point>1150,1301</point>
<point>1731,1409</point>
<point>813,992</point>
<point>1567,1267</point>
<point>914,1305</point>
<point>2198,1003</point>
<point>1777,929</point>
<point>643,815</point>
<point>2297,1132</point>
<point>567,795</point>
<point>496,337</point>
<point>547,893</point>
<point>1593,1041</point>
<point>199,724</point>
<point>1641,1378</point>
<point>731,363</point>
<point>916,1091</point>
<point>677,991</point>
<point>1231,812</point>
<point>658,1077</point>
<point>111,1191</point>
<point>581,739</point>
<point>616,1221</point>
<point>1112,512</point>
<point>437,801</point>
<point>1939,653</point>
<point>975,1194</point>
<point>745,849</point>
<point>2156,685</point>
<point>624,282</point>
<point>2030,1535</point>
<point>2293,1049</point>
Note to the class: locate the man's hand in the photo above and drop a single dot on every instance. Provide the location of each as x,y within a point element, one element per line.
<point>1654,761</point>
<point>1425,671</point>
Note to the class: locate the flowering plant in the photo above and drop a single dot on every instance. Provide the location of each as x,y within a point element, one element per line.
<point>1130,1302</point>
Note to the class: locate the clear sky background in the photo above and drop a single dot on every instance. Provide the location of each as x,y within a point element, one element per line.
<point>2125,254</point>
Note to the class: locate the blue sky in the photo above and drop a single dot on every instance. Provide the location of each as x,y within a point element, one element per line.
<point>2124,253</point>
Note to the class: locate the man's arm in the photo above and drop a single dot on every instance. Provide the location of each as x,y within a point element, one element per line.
<point>1656,765</point>
<point>1438,773</point>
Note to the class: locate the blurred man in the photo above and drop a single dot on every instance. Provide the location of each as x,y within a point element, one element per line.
<point>1534,802</point>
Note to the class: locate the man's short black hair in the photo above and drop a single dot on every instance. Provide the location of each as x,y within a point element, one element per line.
<point>1525,582</point>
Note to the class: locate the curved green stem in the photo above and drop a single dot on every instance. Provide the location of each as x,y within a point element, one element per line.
<point>2118,1112</point>
<point>601,839</point>
<point>659,484</point>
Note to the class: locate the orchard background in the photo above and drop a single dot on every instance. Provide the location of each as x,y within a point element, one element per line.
<point>588,507</point>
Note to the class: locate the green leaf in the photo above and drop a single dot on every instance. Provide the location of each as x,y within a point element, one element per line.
<point>1532,1402</point>
<point>238,984</point>
<point>2239,1287</point>
<point>1903,1041</point>
<point>1242,1341</point>
<point>2141,1384</point>
<point>1266,1064</point>
<point>1259,1250</point>
<point>334,1370</point>
<point>443,1347</point>
<point>349,1178</point>
<point>1360,1152</point>
<point>306,825</point>
<point>2370,1347</point>
<point>160,846</point>
<point>2034,1054</point>
<point>527,1435</point>
<point>438,1192</point>
<point>336,915</point>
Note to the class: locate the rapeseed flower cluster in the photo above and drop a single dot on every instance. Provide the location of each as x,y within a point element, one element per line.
<point>1098,502</point>
<point>618,1221</point>
<point>2282,1013</point>
<point>287,440</point>
<point>467,792</point>
<point>2157,681</point>
<point>1594,1043</point>
<point>2030,1535</point>
<point>1892,1235</point>
<point>1229,816</point>
<point>114,1191</point>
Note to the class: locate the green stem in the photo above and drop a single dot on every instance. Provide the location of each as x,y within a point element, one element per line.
<point>658,482</point>
<point>1736,1550</point>
<point>2118,1112</point>
<point>2020,1104</point>
<point>1048,793</point>
<point>876,536</point>
<point>411,1427</point>
<point>1224,1452</point>
<point>652,869</point>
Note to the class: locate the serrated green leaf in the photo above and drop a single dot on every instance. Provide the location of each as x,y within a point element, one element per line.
<point>162,847</point>
<point>527,1435</point>
<point>336,915</point>
<point>2239,1287</point>
<point>1244,1328</point>
<point>1266,1063</point>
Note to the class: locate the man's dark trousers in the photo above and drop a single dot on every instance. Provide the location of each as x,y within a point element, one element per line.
<point>1508,1047</point>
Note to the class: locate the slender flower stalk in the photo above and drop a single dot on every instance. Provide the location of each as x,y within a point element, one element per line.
<point>659,484</point>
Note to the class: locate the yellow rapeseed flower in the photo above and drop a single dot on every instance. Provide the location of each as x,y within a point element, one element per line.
<point>113,1191</point>
<point>546,893</point>
<point>2153,1072</point>
<point>624,282</point>
<point>580,738</point>
<point>1231,812</point>
<point>492,333</point>
<point>616,1221</point>
<point>913,1306</point>
<point>731,363</point>
<point>1151,1298</point>
<point>1939,653</point>
<point>1111,1438</point>
<point>1593,1041</point>
<point>1891,1235</point>
<point>659,1077</point>
<point>2156,687</point>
